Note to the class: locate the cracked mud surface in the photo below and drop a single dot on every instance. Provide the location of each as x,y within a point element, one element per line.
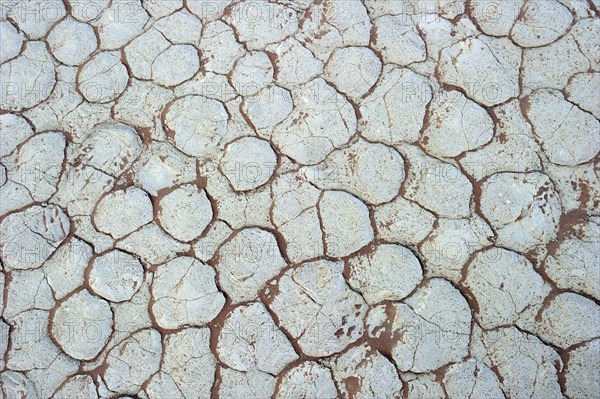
<point>299,199</point>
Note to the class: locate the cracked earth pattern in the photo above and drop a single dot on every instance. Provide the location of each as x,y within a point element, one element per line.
<point>300,199</point>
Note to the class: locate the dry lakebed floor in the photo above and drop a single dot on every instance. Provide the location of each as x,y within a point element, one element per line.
<point>300,199</point>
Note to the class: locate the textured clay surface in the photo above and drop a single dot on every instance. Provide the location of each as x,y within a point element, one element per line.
<point>299,199</point>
